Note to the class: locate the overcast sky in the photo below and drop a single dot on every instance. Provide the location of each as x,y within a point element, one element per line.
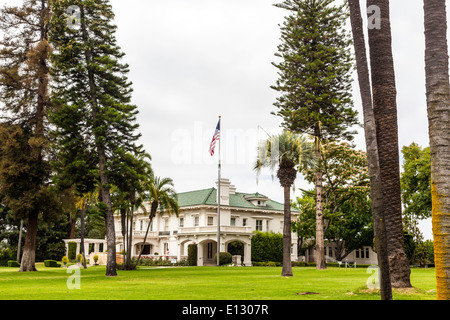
<point>193,60</point>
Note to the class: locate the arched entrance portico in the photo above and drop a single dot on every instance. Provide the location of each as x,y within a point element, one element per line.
<point>240,246</point>
<point>206,251</point>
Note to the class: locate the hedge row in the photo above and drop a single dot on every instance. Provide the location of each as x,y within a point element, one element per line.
<point>267,246</point>
<point>304,264</point>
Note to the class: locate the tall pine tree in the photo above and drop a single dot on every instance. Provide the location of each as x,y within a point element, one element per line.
<point>90,81</point>
<point>25,103</point>
<point>315,82</point>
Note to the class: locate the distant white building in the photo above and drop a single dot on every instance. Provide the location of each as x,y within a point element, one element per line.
<point>240,215</point>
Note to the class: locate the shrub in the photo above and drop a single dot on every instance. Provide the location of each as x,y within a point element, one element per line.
<point>72,250</point>
<point>65,260</point>
<point>13,264</point>
<point>225,258</point>
<point>6,254</point>
<point>52,264</point>
<point>192,254</point>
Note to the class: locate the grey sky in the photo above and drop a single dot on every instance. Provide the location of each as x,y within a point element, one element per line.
<point>193,60</point>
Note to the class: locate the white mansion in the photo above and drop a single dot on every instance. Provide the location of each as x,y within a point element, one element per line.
<point>240,215</point>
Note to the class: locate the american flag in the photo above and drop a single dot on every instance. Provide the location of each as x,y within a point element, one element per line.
<point>215,138</point>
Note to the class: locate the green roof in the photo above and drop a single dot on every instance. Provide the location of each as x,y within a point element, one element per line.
<point>208,197</point>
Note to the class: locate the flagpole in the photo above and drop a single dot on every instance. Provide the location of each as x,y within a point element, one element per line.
<point>218,201</point>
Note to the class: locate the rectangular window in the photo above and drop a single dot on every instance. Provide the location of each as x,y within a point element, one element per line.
<point>357,253</point>
<point>244,222</point>
<point>259,225</point>
<point>196,219</point>
<point>267,225</point>
<point>232,221</point>
<point>166,225</point>
<point>210,221</point>
<point>367,253</point>
<point>181,222</point>
<point>141,225</point>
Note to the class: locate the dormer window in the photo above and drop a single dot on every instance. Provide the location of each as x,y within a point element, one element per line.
<point>257,199</point>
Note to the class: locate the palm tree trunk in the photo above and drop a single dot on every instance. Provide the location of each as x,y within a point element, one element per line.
<point>438,101</point>
<point>385,111</point>
<point>320,242</point>
<point>153,209</point>
<point>123,225</point>
<point>287,266</point>
<point>376,195</point>
<point>130,240</point>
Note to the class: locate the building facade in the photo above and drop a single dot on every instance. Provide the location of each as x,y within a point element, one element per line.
<point>240,215</point>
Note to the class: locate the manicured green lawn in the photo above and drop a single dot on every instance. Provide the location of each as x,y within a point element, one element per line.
<point>204,283</point>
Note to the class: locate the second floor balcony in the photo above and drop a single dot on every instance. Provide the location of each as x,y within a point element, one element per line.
<point>213,229</point>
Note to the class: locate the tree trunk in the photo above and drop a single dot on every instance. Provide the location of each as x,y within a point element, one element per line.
<point>438,101</point>
<point>130,240</point>
<point>72,222</point>
<point>123,220</point>
<point>101,153</point>
<point>29,249</point>
<point>385,111</point>
<point>19,244</point>
<point>153,209</point>
<point>376,195</point>
<point>287,266</point>
<point>42,52</point>
<point>83,253</point>
<point>320,242</point>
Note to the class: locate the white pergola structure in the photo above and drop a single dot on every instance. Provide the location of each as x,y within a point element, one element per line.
<point>87,243</point>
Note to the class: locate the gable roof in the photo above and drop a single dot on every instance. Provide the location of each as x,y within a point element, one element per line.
<point>238,199</point>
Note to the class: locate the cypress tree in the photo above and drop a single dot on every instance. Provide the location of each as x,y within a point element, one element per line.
<point>315,82</point>
<point>90,81</point>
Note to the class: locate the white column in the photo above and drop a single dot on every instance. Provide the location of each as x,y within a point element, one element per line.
<point>199,254</point>
<point>247,254</point>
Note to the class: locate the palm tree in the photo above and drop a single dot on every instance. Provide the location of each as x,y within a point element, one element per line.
<point>438,101</point>
<point>385,112</point>
<point>81,204</point>
<point>288,151</point>
<point>162,195</point>
<point>376,195</point>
